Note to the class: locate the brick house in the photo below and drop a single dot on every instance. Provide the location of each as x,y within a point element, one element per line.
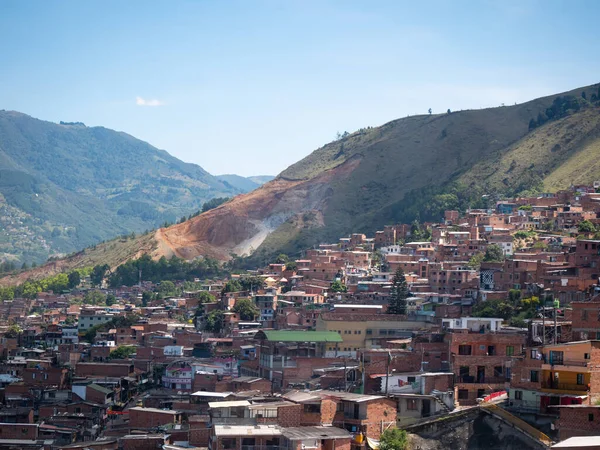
<point>143,418</point>
<point>482,360</point>
<point>28,431</point>
<point>578,420</point>
<point>353,412</point>
<point>238,437</point>
<point>46,376</point>
<point>104,370</point>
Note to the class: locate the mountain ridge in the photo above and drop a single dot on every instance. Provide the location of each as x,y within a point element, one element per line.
<point>69,186</point>
<point>406,169</point>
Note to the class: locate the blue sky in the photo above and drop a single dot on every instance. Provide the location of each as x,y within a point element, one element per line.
<point>250,87</point>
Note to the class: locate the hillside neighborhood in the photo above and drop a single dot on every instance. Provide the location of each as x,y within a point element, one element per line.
<point>493,313</point>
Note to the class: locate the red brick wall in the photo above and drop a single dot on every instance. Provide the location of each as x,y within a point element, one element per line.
<point>442,383</point>
<point>19,431</point>
<point>289,416</point>
<point>102,370</point>
<point>576,422</point>
<point>328,410</point>
<point>149,419</point>
<point>92,395</point>
<point>379,411</point>
<point>199,435</point>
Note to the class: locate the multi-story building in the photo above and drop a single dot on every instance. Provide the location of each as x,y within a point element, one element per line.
<point>89,318</point>
<point>359,331</point>
<point>279,351</point>
<point>481,358</point>
<point>560,374</point>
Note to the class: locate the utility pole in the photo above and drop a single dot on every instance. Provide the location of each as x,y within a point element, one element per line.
<point>387,373</point>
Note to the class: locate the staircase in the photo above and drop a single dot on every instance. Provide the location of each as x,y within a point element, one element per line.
<point>501,413</point>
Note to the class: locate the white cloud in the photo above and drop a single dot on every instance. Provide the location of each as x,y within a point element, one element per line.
<point>140,101</point>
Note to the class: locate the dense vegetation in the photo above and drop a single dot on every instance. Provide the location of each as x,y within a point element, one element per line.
<point>68,186</point>
<point>164,269</point>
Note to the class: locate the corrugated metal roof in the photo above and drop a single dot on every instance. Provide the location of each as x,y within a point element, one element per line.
<point>228,404</point>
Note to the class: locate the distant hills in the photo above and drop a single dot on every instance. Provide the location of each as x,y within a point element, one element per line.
<point>407,169</point>
<point>245,184</point>
<point>67,186</point>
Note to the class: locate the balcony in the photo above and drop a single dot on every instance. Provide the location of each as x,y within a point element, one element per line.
<point>482,380</point>
<point>566,364</point>
<point>564,388</point>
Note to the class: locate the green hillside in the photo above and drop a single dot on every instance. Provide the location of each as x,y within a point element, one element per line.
<point>66,186</point>
<point>416,167</point>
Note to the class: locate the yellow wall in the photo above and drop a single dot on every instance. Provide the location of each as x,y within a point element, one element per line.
<point>566,377</point>
<point>571,352</point>
<point>354,333</point>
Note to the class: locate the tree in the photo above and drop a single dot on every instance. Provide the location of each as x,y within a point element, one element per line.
<point>398,293</point>
<point>585,226</point>
<point>449,112</point>
<point>13,331</point>
<point>338,286</point>
<point>94,298</point>
<point>393,439</point>
<point>123,352</point>
<point>98,274</point>
<point>213,203</point>
<point>246,309</point>
<point>291,266</point>
<point>203,297</point>
<point>110,300</point>
<point>583,96</point>
<point>475,261</point>
<point>493,253</point>
<point>74,279</point>
<point>429,111</point>
<point>24,266</point>
<point>146,297</point>
<point>215,321</point>
<point>514,296</point>
<point>232,286</point>
<point>167,288</point>
<point>282,259</point>
<point>206,297</point>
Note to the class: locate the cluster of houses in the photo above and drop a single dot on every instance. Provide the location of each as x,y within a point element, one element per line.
<point>322,365</point>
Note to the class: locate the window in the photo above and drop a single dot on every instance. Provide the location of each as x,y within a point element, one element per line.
<point>369,332</point>
<point>533,354</point>
<point>534,376</point>
<point>463,394</point>
<point>411,404</point>
<point>498,372</point>
<point>580,378</point>
<point>556,357</point>
<point>309,408</point>
<point>586,356</point>
<point>518,395</point>
<point>491,350</point>
<point>464,350</point>
<point>584,315</point>
<point>590,417</point>
<point>510,350</point>
<point>228,443</point>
